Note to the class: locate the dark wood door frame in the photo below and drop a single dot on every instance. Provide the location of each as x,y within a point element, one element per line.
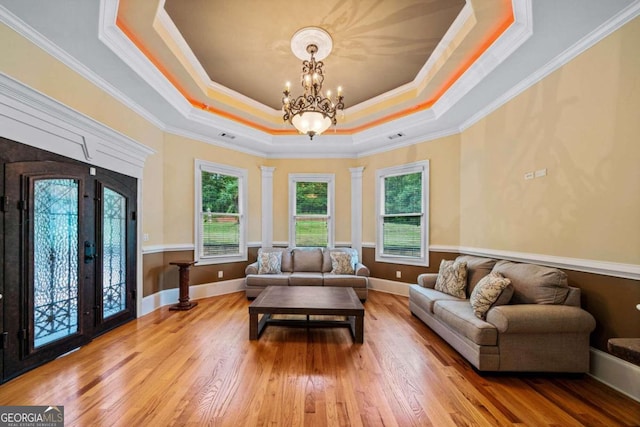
<point>17,355</point>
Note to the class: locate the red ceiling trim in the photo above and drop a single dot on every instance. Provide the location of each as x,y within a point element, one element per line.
<point>494,34</point>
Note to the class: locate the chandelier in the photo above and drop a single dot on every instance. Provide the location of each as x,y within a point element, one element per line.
<point>312,112</point>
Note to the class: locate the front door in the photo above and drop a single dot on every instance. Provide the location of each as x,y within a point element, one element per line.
<point>69,259</point>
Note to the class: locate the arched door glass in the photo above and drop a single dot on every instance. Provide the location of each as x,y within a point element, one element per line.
<point>114,245</point>
<point>55,259</point>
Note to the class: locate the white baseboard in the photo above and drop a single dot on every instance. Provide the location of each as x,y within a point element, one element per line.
<point>170,296</point>
<point>389,286</point>
<point>616,373</point>
<point>610,370</point>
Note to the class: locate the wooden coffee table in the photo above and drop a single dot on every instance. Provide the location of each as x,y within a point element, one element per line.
<point>309,301</point>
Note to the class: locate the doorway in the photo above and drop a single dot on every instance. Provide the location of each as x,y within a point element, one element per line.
<point>68,255</point>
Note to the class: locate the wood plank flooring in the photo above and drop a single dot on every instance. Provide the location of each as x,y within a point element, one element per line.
<point>198,368</point>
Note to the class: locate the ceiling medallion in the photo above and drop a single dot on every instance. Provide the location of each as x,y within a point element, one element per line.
<point>312,112</point>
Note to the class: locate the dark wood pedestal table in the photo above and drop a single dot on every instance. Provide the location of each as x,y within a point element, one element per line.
<point>309,301</point>
<point>183,300</point>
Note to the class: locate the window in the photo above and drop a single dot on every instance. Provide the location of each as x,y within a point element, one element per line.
<point>311,210</point>
<point>403,214</point>
<point>220,220</point>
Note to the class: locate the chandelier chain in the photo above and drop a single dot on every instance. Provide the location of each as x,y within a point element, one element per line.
<point>312,100</point>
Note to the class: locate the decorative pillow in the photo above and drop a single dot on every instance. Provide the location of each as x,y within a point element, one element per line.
<point>534,284</point>
<point>492,289</point>
<point>269,262</point>
<point>452,278</point>
<point>341,263</point>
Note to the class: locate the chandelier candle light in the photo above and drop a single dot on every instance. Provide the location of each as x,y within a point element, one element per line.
<point>312,112</point>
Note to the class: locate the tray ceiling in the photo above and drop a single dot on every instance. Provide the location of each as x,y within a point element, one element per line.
<point>412,70</point>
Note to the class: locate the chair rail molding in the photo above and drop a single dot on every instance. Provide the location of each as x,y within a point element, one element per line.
<point>606,268</point>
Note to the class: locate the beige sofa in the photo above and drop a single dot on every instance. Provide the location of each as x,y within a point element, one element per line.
<point>541,329</point>
<point>306,267</point>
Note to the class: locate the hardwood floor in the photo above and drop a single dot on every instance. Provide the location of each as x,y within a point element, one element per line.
<point>199,368</point>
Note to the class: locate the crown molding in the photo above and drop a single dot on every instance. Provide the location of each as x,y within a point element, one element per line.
<point>19,26</point>
<point>419,127</point>
<point>514,37</point>
<point>123,48</point>
<point>213,140</point>
<point>424,137</point>
<point>608,27</point>
<point>41,121</point>
<point>441,49</point>
<point>444,45</point>
<point>164,21</point>
<point>113,37</point>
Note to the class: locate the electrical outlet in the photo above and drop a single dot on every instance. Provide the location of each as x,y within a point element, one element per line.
<point>220,274</point>
<point>145,237</point>
<point>398,274</point>
<point>541,172</point>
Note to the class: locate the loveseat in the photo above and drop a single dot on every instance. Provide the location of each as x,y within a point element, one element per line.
<point>522,317</point>
<point>307,267</point>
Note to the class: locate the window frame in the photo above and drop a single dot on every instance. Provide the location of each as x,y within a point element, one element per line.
<point>381,175</point>
<point>303,177</point>
<point>242,176</point>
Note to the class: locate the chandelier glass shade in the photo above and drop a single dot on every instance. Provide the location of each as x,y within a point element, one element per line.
<point>313,112</point>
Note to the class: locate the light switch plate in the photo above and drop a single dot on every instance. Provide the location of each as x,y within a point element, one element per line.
<point>540,173</point>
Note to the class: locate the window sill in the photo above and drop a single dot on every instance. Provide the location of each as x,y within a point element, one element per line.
<point>421,262</point>
<point>221,260</point>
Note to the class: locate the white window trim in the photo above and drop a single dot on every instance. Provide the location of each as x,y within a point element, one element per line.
<point>329,178</point>
<point>242,175</point>
<point>381,174</point>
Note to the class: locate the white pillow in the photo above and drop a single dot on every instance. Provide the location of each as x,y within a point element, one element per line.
<point>269,262</point>
<point>341,263</point>
<point>492,289</point>
<point>452,278</point>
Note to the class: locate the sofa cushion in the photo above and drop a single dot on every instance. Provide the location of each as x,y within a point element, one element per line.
<point>341,263</point>
<point>345,280</point>
<point>492,289</point>
<point>264,280</point>
<point>459,316</point>
<point>477,268</point>
<point>307,259</point>
<point>286,265</point>
<point>285,261</point>
<point>452,278</point>
<point>534,284</point>
<point>269,262</point>
<point>327,264</point>
<point>425,297</point>
<point>305,279</point>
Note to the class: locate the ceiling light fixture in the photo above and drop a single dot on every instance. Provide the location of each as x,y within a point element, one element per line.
<point>312,112</point>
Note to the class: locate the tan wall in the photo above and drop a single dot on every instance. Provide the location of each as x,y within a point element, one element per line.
<point>581,123</point>
<point>444,196</point>
<point>338,167</point>
<point>180,154</point>
<point>37,69</point>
